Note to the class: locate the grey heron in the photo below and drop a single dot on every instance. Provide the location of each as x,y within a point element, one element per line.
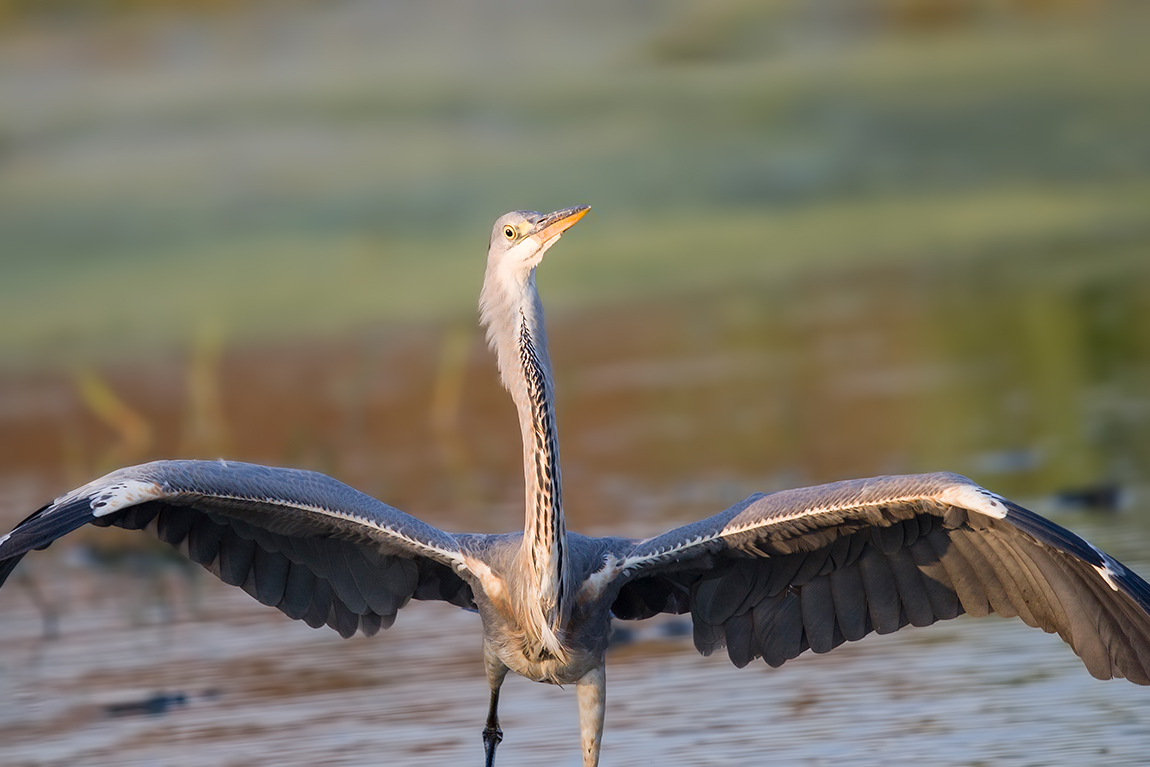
<point>770,577</point>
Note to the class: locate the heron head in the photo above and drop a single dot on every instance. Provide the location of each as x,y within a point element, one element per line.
<point>520,238</point>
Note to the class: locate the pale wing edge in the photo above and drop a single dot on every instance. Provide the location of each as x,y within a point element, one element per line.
<point>814,506</point>
<point>856,501</point>
<point>218,485</point>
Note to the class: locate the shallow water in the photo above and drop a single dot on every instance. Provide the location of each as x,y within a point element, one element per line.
<point>1030,385</point>
<point>264,691</point>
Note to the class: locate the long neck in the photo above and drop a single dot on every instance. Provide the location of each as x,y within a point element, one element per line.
<point>521,345</point>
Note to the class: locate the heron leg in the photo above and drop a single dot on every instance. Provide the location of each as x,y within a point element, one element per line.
<point>592,690</point>
<point>492,735</point>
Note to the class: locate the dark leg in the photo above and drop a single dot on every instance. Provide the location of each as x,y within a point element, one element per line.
<point>492,735</point>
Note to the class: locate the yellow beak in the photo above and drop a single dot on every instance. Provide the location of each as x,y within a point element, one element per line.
<point>554,224</point>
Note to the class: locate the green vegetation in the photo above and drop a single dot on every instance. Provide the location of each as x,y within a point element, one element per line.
<point>343,168</point>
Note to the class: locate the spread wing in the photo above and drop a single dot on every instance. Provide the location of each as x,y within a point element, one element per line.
<point>812,568</point>
<point>299,541</point>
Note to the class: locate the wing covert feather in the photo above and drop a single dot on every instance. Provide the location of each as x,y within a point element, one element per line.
<point>814,567</point>
<point>303,542</point>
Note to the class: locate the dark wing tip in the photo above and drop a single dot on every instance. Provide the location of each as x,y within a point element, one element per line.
<point>89,503</point>
<point>39,529</point>
<point>15,544</point>
<point>1117,576</point>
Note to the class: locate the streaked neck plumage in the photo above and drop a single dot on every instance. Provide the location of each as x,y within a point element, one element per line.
<point>513,314</point>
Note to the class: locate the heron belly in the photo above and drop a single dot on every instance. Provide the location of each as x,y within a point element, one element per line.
<point>547,668</point>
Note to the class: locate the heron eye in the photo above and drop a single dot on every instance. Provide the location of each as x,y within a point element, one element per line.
<point>509,232</point>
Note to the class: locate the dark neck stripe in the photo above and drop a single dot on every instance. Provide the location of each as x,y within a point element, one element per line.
<point>545,454</point>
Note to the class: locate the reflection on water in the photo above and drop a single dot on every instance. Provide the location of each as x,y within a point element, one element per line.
<point>1032,376</point>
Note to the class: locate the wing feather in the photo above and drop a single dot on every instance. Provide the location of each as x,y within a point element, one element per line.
<point>319,605</point>
<point>270,573</point>
<point>297,591</point>
<point>204,538</point>
<point>819,615</point>
<point>779,628</point>
<point>961,575</point>
<point>236,553</point>
<point>849,598</point>
<point>783,573</point>
<point>811,568</point>
<point>311,546</point>
<point>911,588</point>
<point>738,633</point>
<point>1016,580</point>
<point>881,591</point>
<point>944,602</point>
<point>984,563</point>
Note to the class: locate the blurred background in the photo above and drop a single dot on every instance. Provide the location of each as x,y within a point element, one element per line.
<point>829,239</point>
